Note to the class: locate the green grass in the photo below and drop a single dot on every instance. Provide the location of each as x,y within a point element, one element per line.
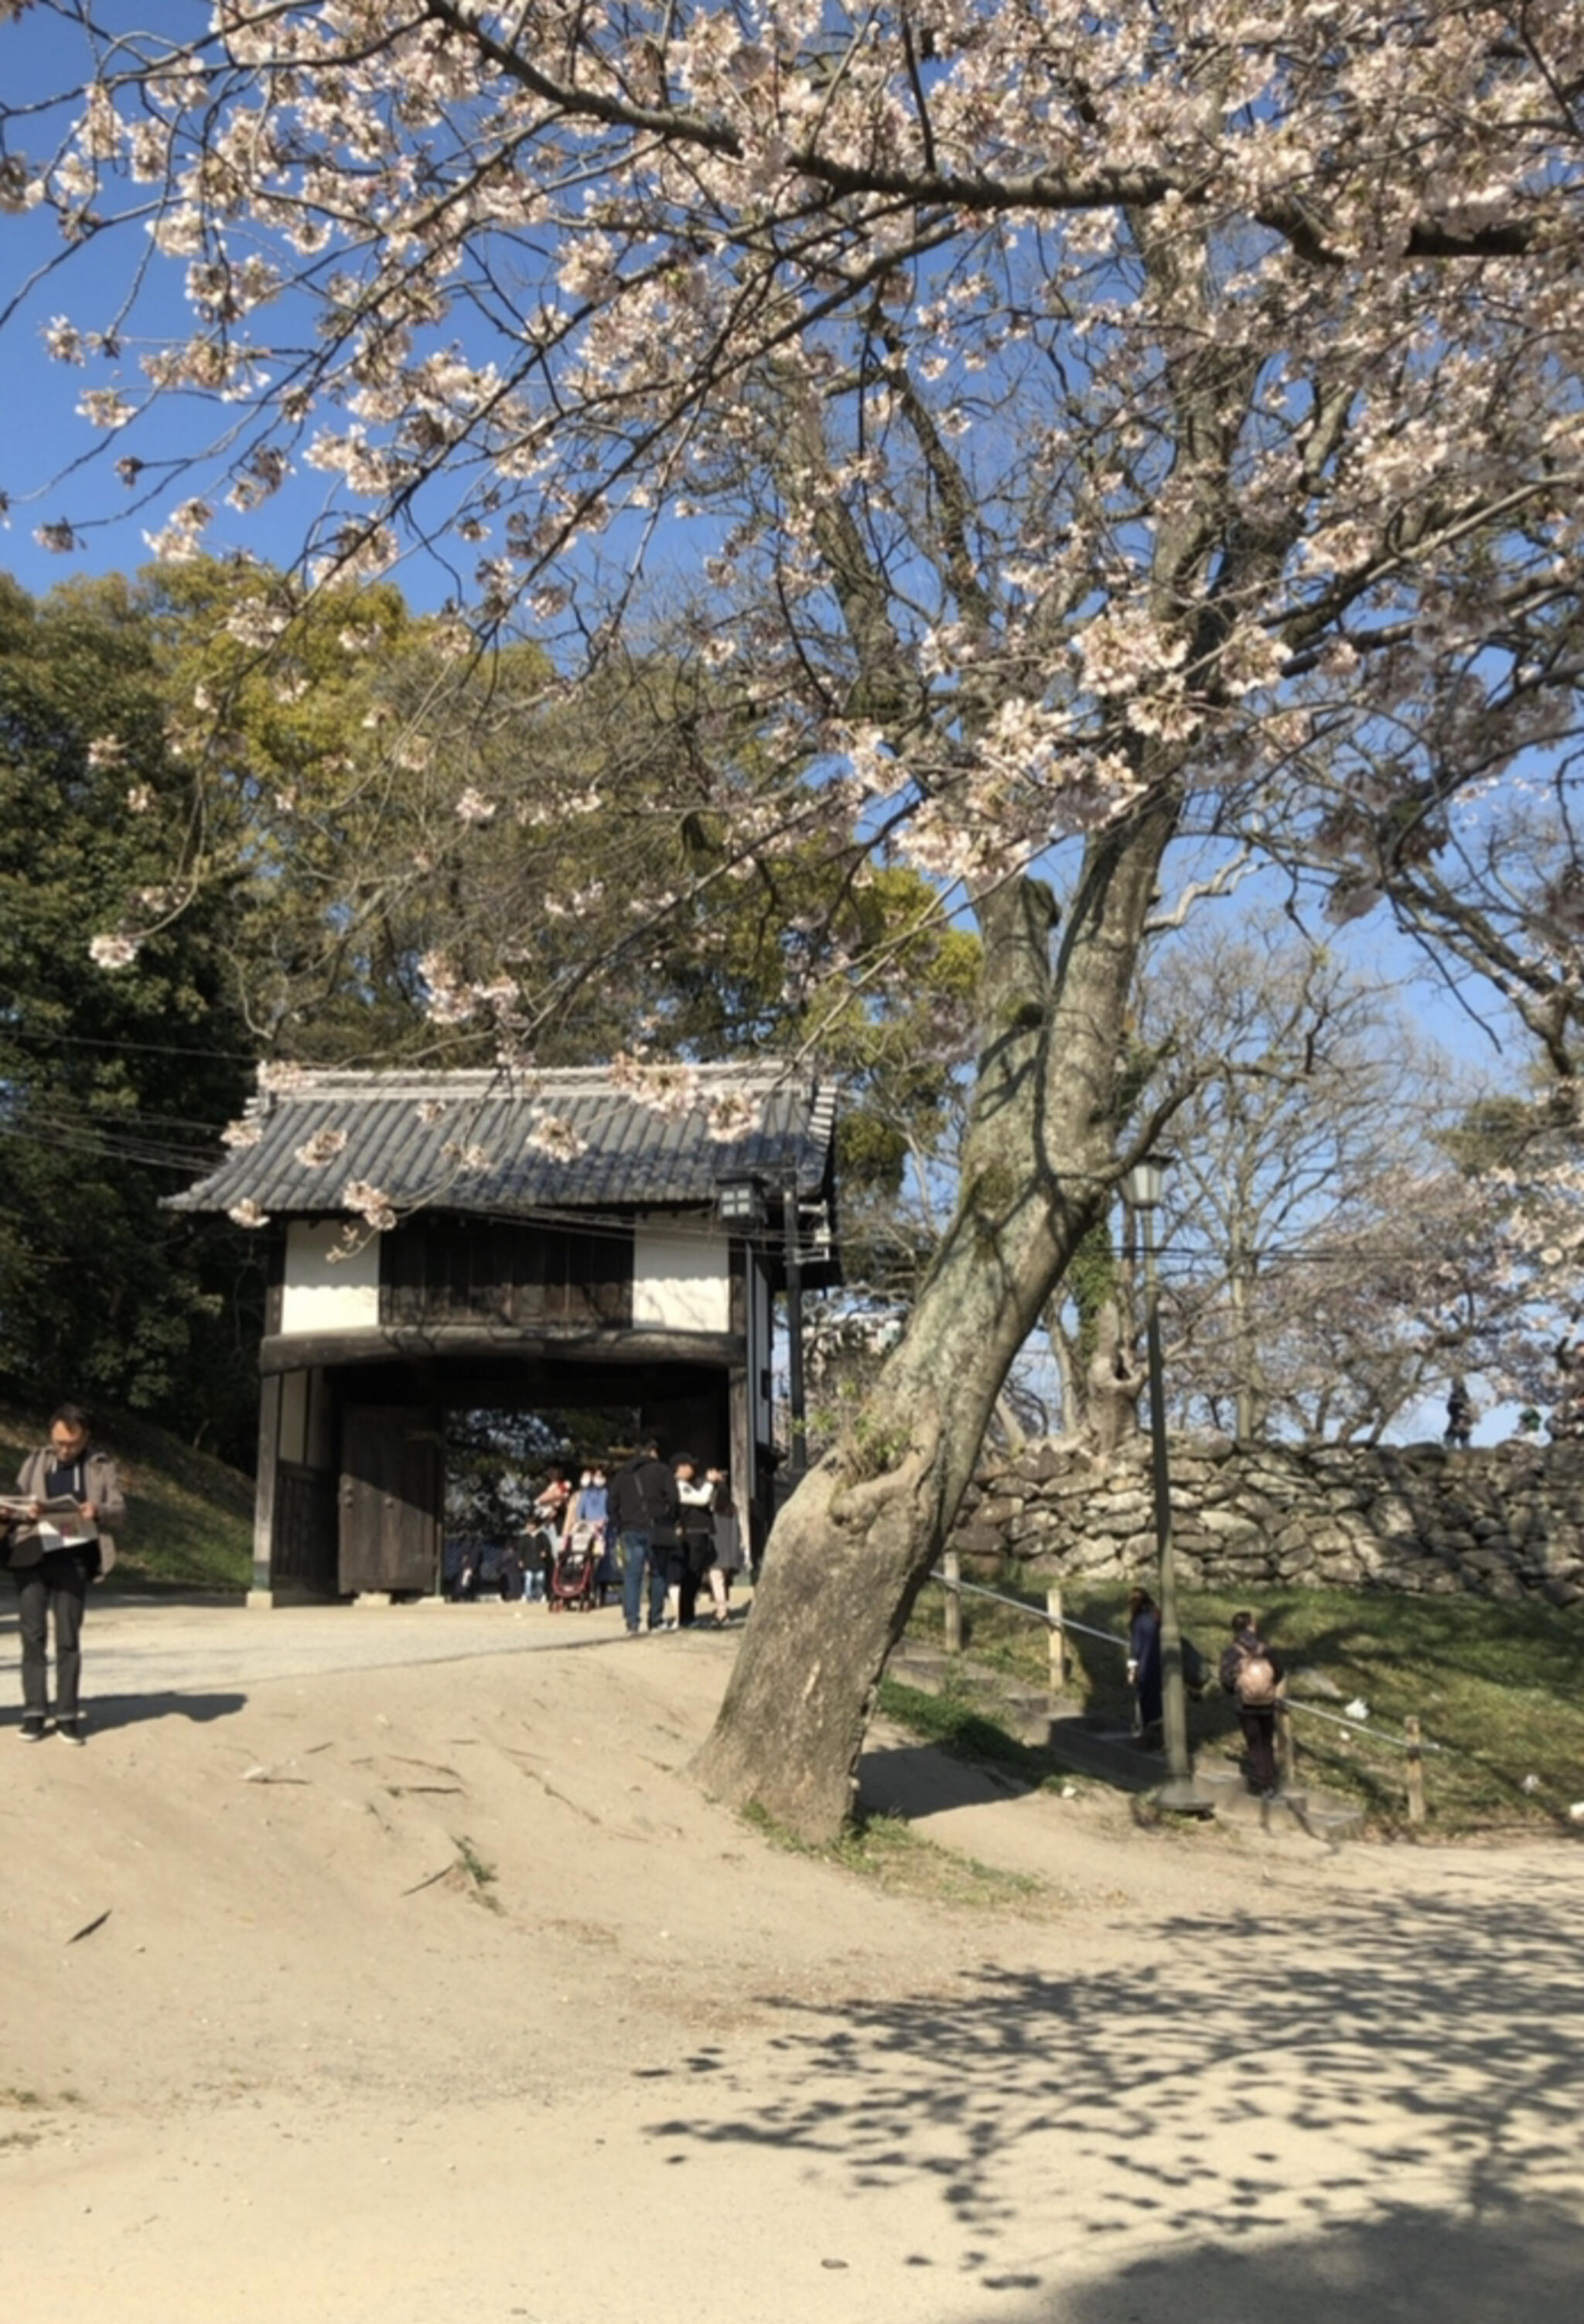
<point>478,1875</point>
<point>189,1518</point>
<point>960,1725</point>
<point>1498,1685</point>
<point>887,1851</point>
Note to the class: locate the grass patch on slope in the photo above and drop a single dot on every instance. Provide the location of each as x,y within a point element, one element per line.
<point>887,1851</point>
<point>1498,1684</point>
<point>959,1724</point>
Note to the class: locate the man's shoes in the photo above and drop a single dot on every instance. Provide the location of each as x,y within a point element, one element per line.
<point>33,1728</point>
<point>72,1730</point>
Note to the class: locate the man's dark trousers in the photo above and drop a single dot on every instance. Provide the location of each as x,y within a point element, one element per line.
<point>55,1588</point>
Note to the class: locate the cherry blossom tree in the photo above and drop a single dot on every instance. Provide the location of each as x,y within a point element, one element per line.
<point>1075,438</point>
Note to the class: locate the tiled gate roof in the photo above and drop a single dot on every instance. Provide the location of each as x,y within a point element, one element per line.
<point>485,1143</point>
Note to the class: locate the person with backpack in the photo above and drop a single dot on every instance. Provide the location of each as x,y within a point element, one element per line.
<point>1251,1675</point>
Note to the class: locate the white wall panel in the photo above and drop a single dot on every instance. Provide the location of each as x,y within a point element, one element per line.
<point>320,1295</point>
<point>679,1276</point>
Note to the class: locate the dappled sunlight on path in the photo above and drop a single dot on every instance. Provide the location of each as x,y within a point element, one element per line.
<point>1412,2058</point>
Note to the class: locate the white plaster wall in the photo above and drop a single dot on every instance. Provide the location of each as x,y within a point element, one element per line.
<point>321,1296</point>
<point>680,1281</point>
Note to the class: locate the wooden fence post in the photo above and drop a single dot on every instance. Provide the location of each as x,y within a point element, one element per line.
<point>1058,1637</point>
<point>953,1566</point>
<point>1411,1736</point>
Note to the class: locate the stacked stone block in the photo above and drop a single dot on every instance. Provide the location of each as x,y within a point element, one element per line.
<point>1506,1522</point>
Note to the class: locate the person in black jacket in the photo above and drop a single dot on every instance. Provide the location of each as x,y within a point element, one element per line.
<point>696,1494</point>
<point>1144,1664</point>
<point>645,1512</point>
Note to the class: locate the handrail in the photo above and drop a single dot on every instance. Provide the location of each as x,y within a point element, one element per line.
<point>1021,1606</point>
<point>1112,1638</point>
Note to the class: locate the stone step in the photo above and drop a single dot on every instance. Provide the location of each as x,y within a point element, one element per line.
<point>1094,1746</point>
<point>1092,1749</point>
<point>1024,1710</point>
<point>1320,1814</point>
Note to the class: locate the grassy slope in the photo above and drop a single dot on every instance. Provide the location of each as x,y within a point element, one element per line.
<point>1500,1686</point>
<point>190,1518</point>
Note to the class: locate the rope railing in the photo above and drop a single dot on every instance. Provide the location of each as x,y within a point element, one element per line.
<point>1411,1741</point>
<point>1363,1727</point>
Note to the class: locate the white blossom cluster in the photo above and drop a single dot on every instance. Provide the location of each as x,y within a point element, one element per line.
<point>321,1147</point>
<point>369,1203</point>
<point>554,1135</point>
<point>1069,409</point>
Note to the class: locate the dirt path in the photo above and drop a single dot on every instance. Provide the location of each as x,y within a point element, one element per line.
<point>413,1982</point>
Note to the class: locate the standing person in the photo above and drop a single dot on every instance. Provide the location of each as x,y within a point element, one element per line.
<point>696,1555</point>
<point>54,1553</point>
<point>514,1570</point>
<point>538,1556</point>
<point>645,1510</point>
<point>729,1553</point>
<point>551,1504</point>
<point>1144,1662</point>
<point>591,1506</point>
<point>1250,1673</point>
<point>1459,1414</point>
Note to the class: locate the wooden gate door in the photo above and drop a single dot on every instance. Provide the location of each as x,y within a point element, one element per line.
<point>392,1488</point>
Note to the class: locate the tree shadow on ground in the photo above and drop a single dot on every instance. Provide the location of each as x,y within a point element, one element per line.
<point>105,1712</point>
<point>1368,2110</point>
<point>1408,2265</point>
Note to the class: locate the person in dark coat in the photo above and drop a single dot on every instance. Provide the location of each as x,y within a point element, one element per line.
<point>1250,1673</point>
<point>645,1511</point>
<point>1144,1662</point>
<point>696,1495</point>
<point>728,1559</point>
<point>1460,1414</point>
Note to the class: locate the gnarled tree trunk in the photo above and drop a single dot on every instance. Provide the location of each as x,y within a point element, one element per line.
<point>858,1539</point>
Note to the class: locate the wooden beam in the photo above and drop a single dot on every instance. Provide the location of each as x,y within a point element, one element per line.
<point>272,1395</point>
<point>397,1344</point>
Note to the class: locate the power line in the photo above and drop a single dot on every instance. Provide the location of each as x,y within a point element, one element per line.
<point>72,1039</point>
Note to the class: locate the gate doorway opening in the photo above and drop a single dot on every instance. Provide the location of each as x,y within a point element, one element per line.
<point>499,1467</point>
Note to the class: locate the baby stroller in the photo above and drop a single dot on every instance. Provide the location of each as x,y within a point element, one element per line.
<point>575,1570</point>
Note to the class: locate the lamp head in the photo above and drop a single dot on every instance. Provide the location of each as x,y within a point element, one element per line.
<point>1145,1179</point>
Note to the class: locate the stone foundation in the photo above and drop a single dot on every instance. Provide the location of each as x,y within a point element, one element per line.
<point>1506,1522</point>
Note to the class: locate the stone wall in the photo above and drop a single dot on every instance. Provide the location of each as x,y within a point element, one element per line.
<point>1507,1522</point>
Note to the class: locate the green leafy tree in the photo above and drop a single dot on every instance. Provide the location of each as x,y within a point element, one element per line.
<point>115,1079</point>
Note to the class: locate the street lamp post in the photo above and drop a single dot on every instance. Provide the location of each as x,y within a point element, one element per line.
<point>796,1404</point>
<point>741,1203</point>
<point>1178,1792</point>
